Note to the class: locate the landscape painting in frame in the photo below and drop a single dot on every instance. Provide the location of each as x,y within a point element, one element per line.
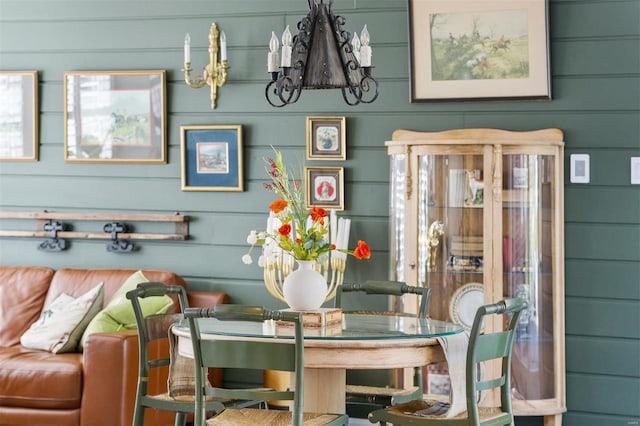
<point>479,50</point>
<point>115,116</point>
<point>211,158</point>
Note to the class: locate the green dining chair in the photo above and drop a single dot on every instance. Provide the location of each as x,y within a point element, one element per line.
<point>151,330</point>
<point>361,399</point>
<point>258,354</point>
<point>482,347</point>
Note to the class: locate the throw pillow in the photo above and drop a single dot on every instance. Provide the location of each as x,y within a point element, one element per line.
<point>118,313</point>
<point>61,325</point>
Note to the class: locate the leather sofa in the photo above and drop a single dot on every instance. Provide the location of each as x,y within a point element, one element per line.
<point>95,387</point>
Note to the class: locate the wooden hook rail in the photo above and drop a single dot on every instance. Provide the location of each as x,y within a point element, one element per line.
<point>56,228</point>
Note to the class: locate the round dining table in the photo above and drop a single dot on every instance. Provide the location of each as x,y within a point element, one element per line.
<point>359,341</point>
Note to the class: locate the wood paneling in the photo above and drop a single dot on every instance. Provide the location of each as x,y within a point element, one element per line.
<point>595,65</point>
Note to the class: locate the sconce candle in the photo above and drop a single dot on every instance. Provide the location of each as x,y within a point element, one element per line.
<point>272,58</point>
<point>365,49</point>
<point>355,44</point>
<point>214,73</point>
<point>223,46</point>
<point>286,48</point>
<point>187,48</point>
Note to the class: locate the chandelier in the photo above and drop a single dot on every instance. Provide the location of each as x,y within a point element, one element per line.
<point>321,56</point>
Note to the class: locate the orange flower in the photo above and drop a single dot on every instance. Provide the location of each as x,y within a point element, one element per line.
<point>278,205</point>
<point>362,251</point>
<point>284,230</point>
<point>317,215</point>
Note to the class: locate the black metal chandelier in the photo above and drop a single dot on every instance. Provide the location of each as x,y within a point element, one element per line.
<point>320,56</point>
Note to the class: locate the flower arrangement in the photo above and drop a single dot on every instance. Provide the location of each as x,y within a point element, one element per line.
<point>301,233</point>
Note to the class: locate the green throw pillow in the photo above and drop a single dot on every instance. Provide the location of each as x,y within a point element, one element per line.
<point>118,313</point>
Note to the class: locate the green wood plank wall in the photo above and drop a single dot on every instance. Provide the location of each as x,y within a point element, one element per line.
<point>595,59</point>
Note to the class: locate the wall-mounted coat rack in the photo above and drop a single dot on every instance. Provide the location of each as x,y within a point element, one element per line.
<point>116,228</point>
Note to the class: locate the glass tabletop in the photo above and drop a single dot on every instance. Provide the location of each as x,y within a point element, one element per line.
<point>352,327</point>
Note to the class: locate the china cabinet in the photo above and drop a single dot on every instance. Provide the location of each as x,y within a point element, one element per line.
<point>477,215</point>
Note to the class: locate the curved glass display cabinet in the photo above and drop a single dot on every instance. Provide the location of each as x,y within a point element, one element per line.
<point>477,215</point>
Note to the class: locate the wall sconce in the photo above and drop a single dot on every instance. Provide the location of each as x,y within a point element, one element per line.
<point>214,74</point>
<point>320,56</point>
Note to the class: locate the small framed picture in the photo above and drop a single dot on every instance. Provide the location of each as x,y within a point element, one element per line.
<point>19,117</point>
<point>115,117</point>
<point>325,187</point>
<point>326,138</point>
<point>211,158</point>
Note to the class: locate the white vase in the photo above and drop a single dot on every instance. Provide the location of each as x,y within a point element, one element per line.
<point>305,288</point>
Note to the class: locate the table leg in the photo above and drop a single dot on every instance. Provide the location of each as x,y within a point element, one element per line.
<point>324,390</point>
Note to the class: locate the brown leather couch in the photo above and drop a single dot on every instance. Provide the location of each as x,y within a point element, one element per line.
<point>96,387</point>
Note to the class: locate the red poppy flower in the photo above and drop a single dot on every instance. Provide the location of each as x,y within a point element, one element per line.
<point>284,230</point>
<point>317,215</point>
<point>278,205</point>
<point>362,251</point>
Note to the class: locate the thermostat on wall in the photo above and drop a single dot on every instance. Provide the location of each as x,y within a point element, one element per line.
<point>579,168</point>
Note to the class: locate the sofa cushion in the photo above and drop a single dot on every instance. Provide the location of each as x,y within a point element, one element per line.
<point>118,313</point>
<point>39,379</point>
<point>22,295</point>
<point>61,325</point>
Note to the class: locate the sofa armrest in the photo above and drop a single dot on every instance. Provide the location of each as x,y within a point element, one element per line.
<point>206,299</point>
<point>110,376</point>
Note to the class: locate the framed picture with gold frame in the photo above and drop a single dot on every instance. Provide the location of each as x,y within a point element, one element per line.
<point>326,138</point>
<point>211,158</point>
<point>115,116</point>
<point>324,187</point>
<point>19,118</point>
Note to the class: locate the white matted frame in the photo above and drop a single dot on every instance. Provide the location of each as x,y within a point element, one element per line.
<point>326,138</point>
<point>324,187</point>
<point>115,116</point>
<point>479,50</point>
<point>19,116</point>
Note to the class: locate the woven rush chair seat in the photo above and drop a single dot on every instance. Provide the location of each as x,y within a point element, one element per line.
<point>253,417</point>
<point>482,347</point>
<point>435,409</point>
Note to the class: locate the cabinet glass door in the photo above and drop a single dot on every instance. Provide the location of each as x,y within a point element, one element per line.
<point>450,234</point>
<point>527,267</point>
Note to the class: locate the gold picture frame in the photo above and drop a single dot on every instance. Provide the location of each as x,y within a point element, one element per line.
<point>211,158</point>
<point>326,138</point>
<point>324,187</point>
<point>479,50</point>
<point>19,120</point>
<point>115,116</point>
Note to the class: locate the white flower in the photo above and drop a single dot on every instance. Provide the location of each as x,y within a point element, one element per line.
<point>247,260</point>
<point>261,261</point>
<point>252,238</point>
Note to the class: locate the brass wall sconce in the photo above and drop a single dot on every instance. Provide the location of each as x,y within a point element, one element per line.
<point>214,73</point>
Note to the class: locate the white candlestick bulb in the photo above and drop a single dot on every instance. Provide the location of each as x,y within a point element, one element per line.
<point>187,48</point>
<point>273,59</point>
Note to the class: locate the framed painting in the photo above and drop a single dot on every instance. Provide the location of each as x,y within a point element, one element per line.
<point>115,116</point>
<point>326,138</point>
<point>324,187</point>
<point>211,158</point>
<point>19,116</point>
<point>479,50</point>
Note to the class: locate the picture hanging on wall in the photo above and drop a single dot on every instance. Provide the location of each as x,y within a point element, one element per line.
<point>479,50</point>
<point>19,116</point>
<point>211,158</point>
<point>326,138</point>
<point>115,116</point>
<point>324,187</point>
